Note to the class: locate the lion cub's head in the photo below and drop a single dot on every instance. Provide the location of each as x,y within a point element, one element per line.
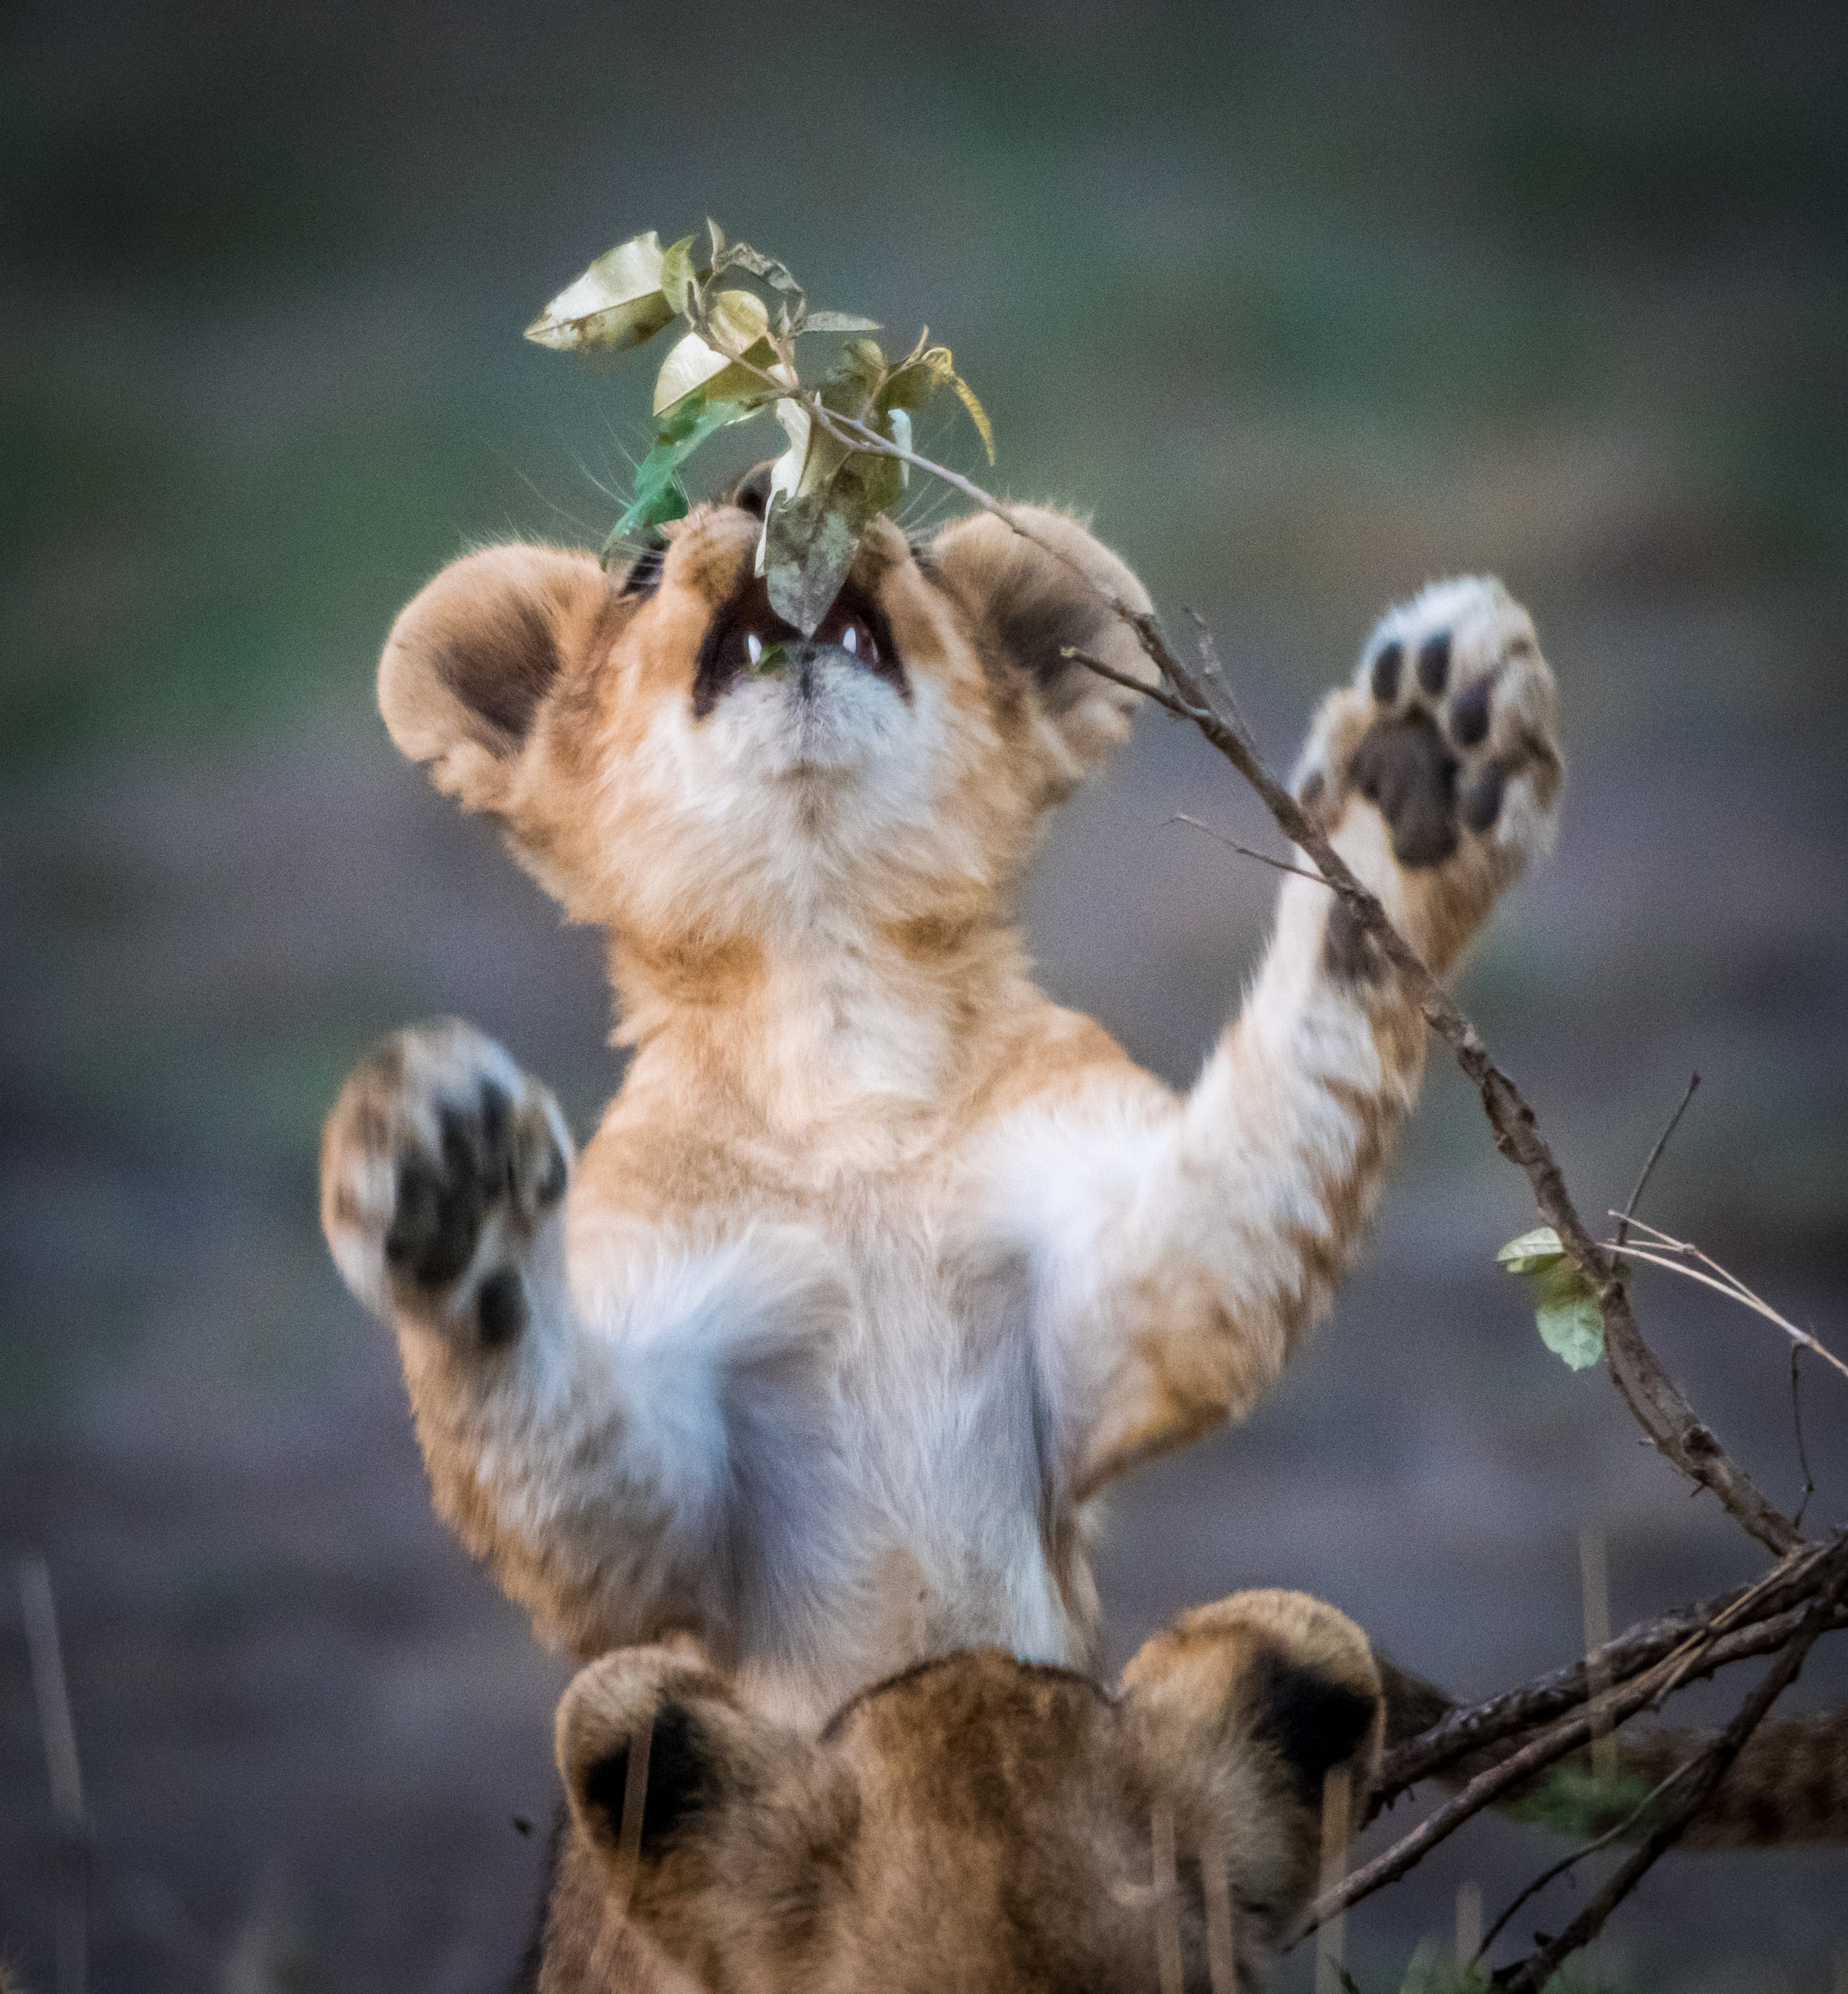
<point>674,761</point>
<point>976,1822</point>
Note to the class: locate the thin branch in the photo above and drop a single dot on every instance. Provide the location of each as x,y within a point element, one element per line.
<point>1577,1856</point>
<point>1656,1157</point>
<point>1796,1421</point>
<point>1737,1625</point>
<point>1128,678</point>
<point>1246,851</point>
<point>1705,1773</point>
<point>1545,1747</point>
<point>1723,1283</point>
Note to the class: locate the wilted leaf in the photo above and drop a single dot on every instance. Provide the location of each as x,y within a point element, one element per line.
<point>1532,1251</point>
<point>768,268</point>
<point>810,540</point>
<point>851,383</point>
<point>692,364</point>
<point>839,322</point>
<point>813,456</point>
<point>915,380</point>
<point>616,304</point>
<point>677,273</point>
<point>977,412</point>
<point>737,320</point>
<point>717,235</point>
<point>809,544</point>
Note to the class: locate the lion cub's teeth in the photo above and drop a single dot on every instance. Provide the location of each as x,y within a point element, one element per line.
<point>851,641</point>
<point>756,649</point>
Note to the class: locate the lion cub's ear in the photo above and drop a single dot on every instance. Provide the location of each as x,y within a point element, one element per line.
<point>472,659</point>
<point>1025,603</point>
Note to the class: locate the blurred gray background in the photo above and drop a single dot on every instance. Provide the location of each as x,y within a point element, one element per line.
<point>1305,305</point>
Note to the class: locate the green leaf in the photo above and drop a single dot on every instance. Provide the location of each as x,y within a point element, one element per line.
<point>839,322</point>
<point>677,274</point>
<point>1575,1802</point>
<point>1566,1313</point>
<point>1532,1251</point>
<point>1572,1327</point>
<point>678,431</point>
<point>616,304</point>
<point>717,235</point>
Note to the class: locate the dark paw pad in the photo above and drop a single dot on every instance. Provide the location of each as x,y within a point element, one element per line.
<point>1407,771</point>
<point>443,1202</point>
<point>1386,672</point>
<point>501,1308</point>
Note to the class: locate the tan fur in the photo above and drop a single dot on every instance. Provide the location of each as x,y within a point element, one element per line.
<point>881,1266</point>
<point>976,1824</point>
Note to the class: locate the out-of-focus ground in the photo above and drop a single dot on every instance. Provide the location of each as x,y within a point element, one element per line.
<point>1306,309</point>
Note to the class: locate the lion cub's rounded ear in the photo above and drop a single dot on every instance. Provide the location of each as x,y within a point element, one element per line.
<point>642,1726</point>
<point>1027,601</point>
<point>475,655</point>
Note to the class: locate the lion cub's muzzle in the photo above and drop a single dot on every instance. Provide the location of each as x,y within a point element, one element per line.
<point>749,640</point>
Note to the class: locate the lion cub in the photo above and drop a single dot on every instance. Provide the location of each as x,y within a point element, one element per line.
<point>880,1265</point>
<point>976,1822</point>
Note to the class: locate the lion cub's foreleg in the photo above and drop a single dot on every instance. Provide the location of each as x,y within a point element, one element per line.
<point>585,1461</point>
<point>1224,1226</point>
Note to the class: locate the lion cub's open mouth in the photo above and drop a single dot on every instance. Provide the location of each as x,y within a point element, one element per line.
<point>749,640</point>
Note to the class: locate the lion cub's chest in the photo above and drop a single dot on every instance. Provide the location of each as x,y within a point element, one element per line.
<point>920,1520</point>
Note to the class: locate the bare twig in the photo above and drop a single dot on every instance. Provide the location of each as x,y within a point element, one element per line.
<point>1654,1158</point>
<point>1721,1281</point>
<point>1829,1572</point>
<point>1749,1622</point>
<point>1246,851</point>
<point>1166,1898</point>
<point>1705,1773</point>
<point>1796,1421</point>
<point>1572,1861</point>
<point>59,1732</point>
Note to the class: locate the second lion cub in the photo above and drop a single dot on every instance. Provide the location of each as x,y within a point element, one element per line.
<point>880,1265</point>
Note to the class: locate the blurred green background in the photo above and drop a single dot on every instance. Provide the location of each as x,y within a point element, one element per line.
<point>1305,305</point>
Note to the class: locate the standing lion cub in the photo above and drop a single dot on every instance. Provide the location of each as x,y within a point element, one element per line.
<point>881,1266</point>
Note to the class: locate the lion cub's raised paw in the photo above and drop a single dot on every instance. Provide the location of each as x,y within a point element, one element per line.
<point>1448,732</point>
<point>440,1162</point>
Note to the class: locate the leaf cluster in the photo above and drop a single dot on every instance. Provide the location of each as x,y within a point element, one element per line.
<point>739,359</point>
